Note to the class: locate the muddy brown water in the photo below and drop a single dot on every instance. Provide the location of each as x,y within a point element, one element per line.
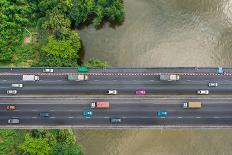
<point>162,33</point>
<point>165,33</point>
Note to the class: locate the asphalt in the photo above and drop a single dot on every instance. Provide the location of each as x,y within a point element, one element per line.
<point>136,112</point>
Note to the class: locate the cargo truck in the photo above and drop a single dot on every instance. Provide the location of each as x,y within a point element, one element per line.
<point>192,105</point>
<point>30,78</point>
<point>169,77</point>
<point>100,105</point>
<point>77,77</point>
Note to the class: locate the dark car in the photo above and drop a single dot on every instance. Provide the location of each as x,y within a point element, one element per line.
<point>44,114</point>
<point>115,120</point>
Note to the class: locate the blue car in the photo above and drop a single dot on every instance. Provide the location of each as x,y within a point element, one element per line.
<point>162,114</point>
<point>87,113</point>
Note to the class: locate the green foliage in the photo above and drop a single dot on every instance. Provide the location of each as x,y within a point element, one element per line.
<point>98,10</point>
<point>14,16</point>
<point>60,48</point>
<point>52,61</point>
<point>7,140</point>
<point>35,146</point>
<point>96,63</point>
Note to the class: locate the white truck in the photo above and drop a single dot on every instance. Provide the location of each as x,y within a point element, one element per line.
<point>30,78</point>
<point>169,77</point>
<point>77,77</point>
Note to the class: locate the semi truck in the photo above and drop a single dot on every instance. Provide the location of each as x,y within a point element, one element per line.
<point>103,105</point>
<point>192,105</point>
<point>77,77</point>
<point>30,78</point>
<point>169,77</point>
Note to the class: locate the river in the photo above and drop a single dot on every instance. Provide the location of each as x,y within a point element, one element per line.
<point>162,33</point>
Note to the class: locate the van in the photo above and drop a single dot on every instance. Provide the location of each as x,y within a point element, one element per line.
<point>17,85</point>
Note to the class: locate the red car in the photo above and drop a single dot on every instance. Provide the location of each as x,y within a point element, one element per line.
<point>140,92</point>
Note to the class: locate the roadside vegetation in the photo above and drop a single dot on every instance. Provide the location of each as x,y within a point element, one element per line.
<point>42,32</point>
<point>38,142</point>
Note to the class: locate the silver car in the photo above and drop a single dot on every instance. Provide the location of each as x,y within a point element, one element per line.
<point>203,92</point>
<point>17,85</point>
<point>11,92</point>
<point>13,121</point>
<point>48,70</point>
<point>213,84</point>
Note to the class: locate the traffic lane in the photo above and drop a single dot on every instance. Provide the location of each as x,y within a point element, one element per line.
<point>122,106</point>
<point>121,113</point>
<point>92,90</point>
<point>136,121</point>
<point>118,77</point>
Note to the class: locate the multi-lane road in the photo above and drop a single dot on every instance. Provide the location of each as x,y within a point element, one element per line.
<point>65,108</point>
<point>134,112</point>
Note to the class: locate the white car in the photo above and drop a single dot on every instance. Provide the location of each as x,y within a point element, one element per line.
<point>48,70</point>
<point>203,92</point>
<point>11,92</point>
<point>13,121</point>
<point>17,85</point>
<point>212,84</point>
<point>111,92</point>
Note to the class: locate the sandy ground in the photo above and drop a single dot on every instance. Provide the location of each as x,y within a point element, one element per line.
<point>156,142</point>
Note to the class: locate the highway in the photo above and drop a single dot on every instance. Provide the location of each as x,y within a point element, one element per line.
<point>55,94</point>
<point>58,84</point>
<point>67,111</point>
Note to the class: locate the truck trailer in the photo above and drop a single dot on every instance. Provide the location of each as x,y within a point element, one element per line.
<point>100,105</point>
<point>169,77</point>
<point>30,78</point>
<point>192,105</point>
<point>77,77</point>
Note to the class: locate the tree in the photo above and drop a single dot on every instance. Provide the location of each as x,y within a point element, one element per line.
<point>13,18</point>
<point>35,146</point>
<point>96,63</point>
<point>59,48</point>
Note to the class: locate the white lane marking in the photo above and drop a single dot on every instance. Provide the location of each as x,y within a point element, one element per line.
<point>180,117</point>
<point>3,80</point>
<point>215,117</point>
<point>114,80</point>
<point>58,80</point>
<point>152,80</point>
<point>116,98</point>
<point>33,117</point>
<point>52,110</point>
<point>17,110</point>
<point>52,117</point>
<point>70,110</point>
<point>96,80</point>
<point>106,117</point>
<point>198,117</point>
<point>34,110</point>
<point>188,80</point>
<point>70,117</point>
<point>124,117</point>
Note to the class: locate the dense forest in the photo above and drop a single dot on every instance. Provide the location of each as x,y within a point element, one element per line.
<point>38,142</point>
<point>50,26</point>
